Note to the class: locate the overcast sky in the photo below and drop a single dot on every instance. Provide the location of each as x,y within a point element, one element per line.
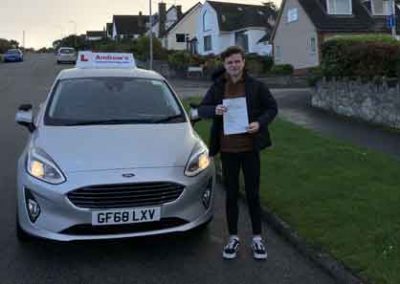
<point>47,20</point>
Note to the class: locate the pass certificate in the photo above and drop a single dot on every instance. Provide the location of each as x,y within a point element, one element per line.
<point>236,120</point>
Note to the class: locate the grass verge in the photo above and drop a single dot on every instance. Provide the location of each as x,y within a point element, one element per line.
<point>340,197</point>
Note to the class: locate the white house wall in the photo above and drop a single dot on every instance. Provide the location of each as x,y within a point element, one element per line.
<point>292,42</point>
<point>212,23</point>
<point>254,35</point>
<point>225,40</point>
<point>188,25</point>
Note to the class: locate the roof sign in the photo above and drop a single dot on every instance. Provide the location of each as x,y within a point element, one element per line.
<point>89,59</point>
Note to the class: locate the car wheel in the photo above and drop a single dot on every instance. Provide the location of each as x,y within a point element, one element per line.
<point>58,62</point>
<point>22,236</point>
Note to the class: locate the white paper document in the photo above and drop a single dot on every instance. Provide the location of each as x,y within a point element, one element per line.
<point>236,120</point>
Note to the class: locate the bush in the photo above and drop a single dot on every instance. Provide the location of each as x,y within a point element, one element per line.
<point>282,69</point>
<point>361,56</point>
<point>314,75</point>
<point>258,64</point>
<point>179,60</point>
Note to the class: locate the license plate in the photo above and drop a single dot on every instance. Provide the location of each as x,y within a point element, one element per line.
<point>125,216</point>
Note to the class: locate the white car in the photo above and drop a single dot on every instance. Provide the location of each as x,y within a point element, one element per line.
<point>112,154</point>
<point>66,55</point>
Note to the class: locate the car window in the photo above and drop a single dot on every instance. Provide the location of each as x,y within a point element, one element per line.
<point>66,51</point>
<point>113,100</point>
<point>13,51</point>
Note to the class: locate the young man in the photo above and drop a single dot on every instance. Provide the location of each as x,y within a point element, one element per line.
<point>240,151</point>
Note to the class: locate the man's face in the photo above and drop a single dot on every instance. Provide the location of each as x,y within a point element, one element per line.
<point>234,64</point>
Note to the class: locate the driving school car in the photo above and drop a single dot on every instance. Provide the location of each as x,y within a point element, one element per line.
<point>112,154</point>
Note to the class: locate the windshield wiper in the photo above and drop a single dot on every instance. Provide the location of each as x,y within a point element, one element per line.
<point>173,118</point>
<point>107,121</point>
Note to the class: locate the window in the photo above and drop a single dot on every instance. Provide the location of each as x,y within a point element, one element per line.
<point>313,45</point>
<point>380,7</point>
<point>207,43</point>
<point>242,40</point>
<point>339,7</point>
<point>292,15</point>
<point>108,100</point>
<point>206,22</point>
<point>180,38</point>
<point>278,52</point>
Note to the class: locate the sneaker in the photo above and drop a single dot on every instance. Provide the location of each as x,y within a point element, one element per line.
<point>258,247</point>
<point>231,248</point>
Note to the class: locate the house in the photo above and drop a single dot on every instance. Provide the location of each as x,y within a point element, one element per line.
<point>181,35</point>
<point>221,25</point>
<point>303,25</point>
<point>95,35</point>
<point>164,19</point>
<point>109,30</point>
<point>129,27</point>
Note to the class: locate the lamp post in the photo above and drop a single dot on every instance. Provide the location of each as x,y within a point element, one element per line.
<point>151,37</point>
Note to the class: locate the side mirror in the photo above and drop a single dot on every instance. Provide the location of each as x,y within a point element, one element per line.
<point>24,117</point>
<point>194,114</point>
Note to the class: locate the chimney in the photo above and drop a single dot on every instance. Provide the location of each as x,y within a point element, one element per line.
<point>162,14</point>
<point>179,11</point>
<point>140,20</point>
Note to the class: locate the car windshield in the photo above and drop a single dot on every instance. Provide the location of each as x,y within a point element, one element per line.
<point>13,51</point>
<point>66,51</point>
<point>91,101</point>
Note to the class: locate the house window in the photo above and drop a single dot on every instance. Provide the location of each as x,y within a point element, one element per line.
<point>206,22</point>
<point>313,45</point>
<point>277,52</point>
<point>180,38</point>
<point>380,7</point>
<point>292,15</point>
<point>207,43</point>
<point>242,40</point>
<point>339,7</point>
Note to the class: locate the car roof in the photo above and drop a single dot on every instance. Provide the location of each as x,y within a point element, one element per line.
<point>75,73</point>
<point>66,48</point>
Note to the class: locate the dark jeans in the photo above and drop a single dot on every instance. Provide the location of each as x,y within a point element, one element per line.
<point>250,164</point>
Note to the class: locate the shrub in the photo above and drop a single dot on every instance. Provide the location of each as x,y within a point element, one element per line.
<point>179,60</point>
<point>282,69</point>
<point>361,56</point>
<point>314,75</point>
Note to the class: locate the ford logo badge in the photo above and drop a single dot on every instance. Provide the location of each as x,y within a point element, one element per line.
<point>128,175</point>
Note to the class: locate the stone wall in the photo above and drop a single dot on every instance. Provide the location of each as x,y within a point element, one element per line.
<point>377,103</point>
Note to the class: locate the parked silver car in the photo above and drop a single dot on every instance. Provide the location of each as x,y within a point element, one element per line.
<point>66,55</point>
<point>112,154</point>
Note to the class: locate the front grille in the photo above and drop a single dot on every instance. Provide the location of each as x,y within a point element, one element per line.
<point>87,229</point>
<point>125,195</point>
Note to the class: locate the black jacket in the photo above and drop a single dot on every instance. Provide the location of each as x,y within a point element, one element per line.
<point>261,107</point>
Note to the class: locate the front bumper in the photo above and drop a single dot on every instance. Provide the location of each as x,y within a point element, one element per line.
<point>61,220</point>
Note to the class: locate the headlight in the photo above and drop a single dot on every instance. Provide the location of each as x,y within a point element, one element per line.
<point>198,161</point>
<point>41,166</point>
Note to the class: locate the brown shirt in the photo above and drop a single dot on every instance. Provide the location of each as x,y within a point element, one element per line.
<point>235,143</point>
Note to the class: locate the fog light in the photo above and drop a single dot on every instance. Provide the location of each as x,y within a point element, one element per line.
<point>32,206</point>
<point>206,198</point>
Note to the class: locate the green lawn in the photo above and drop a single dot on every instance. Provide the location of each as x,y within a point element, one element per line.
<point>338,196</point>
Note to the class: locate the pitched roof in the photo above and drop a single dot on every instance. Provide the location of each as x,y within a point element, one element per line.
<point>183,16</point>
<point>129,25</point>
<point>232,16</point>
<point>95,33</point>
<point>360,21</point>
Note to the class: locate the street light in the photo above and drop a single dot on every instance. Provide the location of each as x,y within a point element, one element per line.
<point>151,37</point>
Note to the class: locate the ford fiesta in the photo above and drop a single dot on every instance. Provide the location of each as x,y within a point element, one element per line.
<point>112,154</point>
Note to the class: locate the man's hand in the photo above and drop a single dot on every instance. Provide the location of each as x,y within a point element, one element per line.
<point>220,109</point>
<point>253,127</point>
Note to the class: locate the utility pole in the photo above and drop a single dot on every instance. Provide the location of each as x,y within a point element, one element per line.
<point>151,37</point>
<point>393,17</point>
<point>23,39</point>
